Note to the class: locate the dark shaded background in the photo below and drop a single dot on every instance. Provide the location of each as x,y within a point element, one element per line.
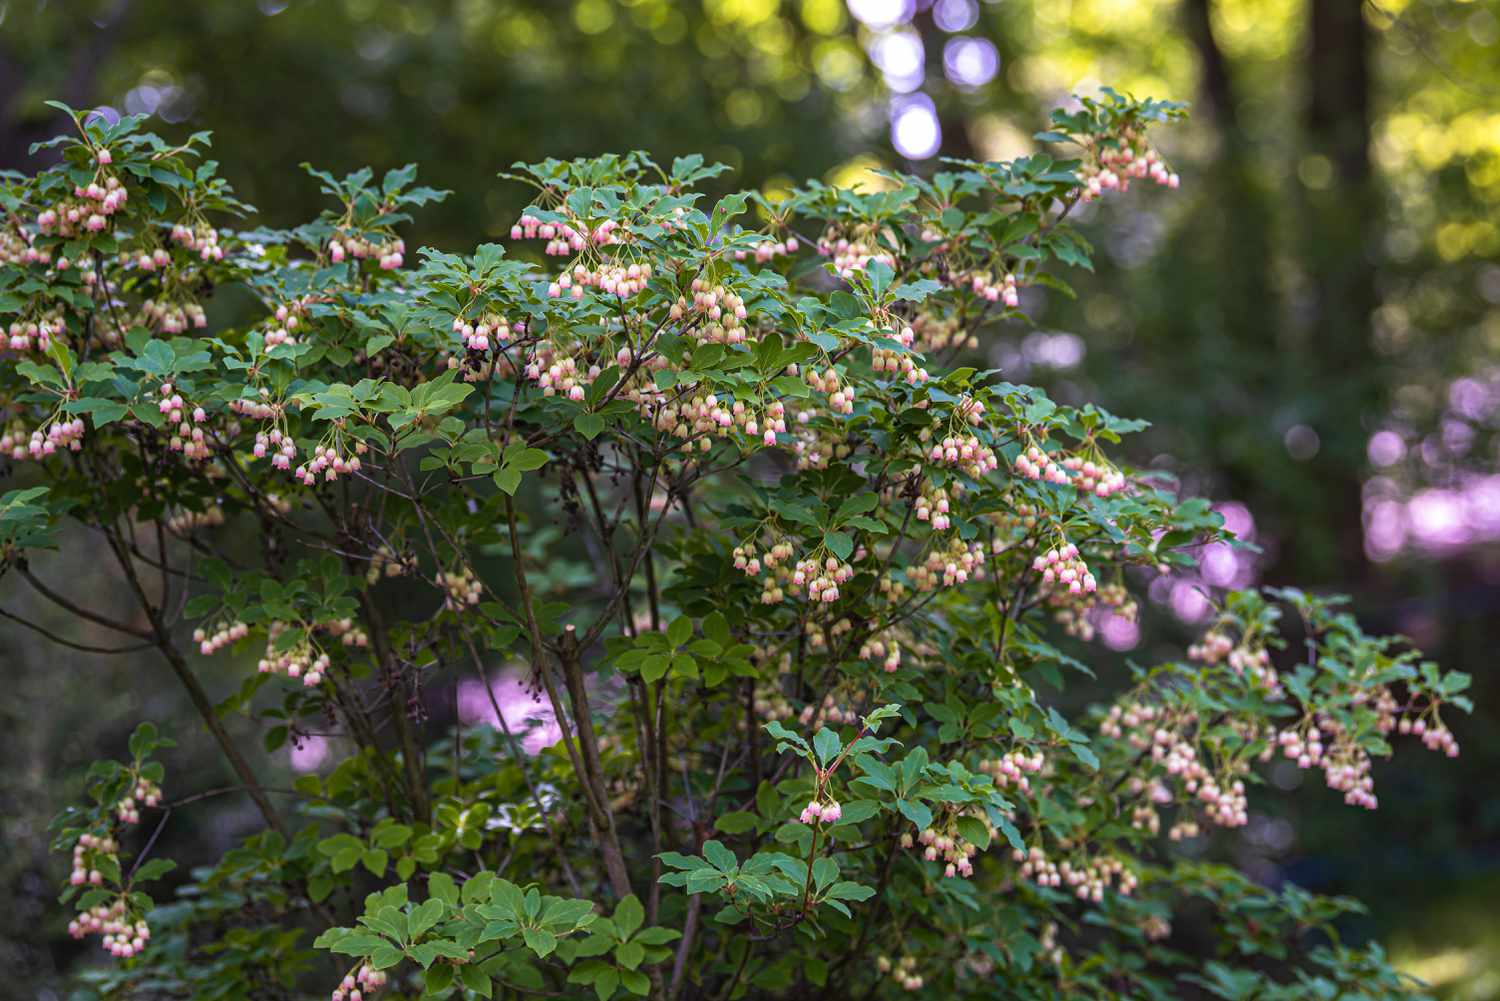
<point>1312,323</point>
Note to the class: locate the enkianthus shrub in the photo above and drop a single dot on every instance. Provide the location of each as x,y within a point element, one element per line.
<point>806,600</point>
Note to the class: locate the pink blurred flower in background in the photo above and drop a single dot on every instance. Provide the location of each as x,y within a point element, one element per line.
<point>526,713</point>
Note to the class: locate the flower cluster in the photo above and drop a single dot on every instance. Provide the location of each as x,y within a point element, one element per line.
<point>153,261</point>
<point>949,565</point>
<point>202,239</point>
<point>388,253</point>
<point>1243,658</point>
<point>59,434</point>
<point>899,363</point>
<point>36,333</point>
<point>1435,738</point>
<point>559,375</point>
<point>1120,160</point>
<point>1013,769</point>
<point>967,453</point>
<point>564,239</point>
<point>360,984</point>
<point>187,436</point>
<point>1152,730</point>
<point>853,250</point>
<point>948,846</point>
<point>1034,464</point>
<point>884,649</point>
<point>745,557</point>
<point>716,314</point>
<point>125,933</point>
<point>932,506</point>
<point>1063,566</point>
<point>476,334</point>
<point>933,332</point>
<point>462,589</point>
<point>840,395</point>
<point>330,461</point>
<point>87,853</point>
<point>148,793</point>
<point>91,210</point>
<point>302,659</point>
<point>987,287</point>
<point>1088,881</point>
<point>172,317</point>
<point>621,281</point>
<point>1095,476</point>
<point>826,813</point>
<point>904,972</point>
<point>768,249</point>
<point>1078,613</point>
<point>278,445</point>
<point>386,562</point>
<point>827,713</point>
<point>212,643</point>
<point>821,579</point>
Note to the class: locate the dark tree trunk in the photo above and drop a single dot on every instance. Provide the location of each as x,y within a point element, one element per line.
<point>1341,237</point>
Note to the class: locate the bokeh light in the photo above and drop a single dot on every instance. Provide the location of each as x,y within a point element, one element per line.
<point>915,131</point>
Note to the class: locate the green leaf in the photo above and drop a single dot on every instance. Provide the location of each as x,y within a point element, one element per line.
<point>680,631</point>
<point>375,860</point>
<point>654,668</point>
<point>827,744</point>
<point>424,916</point>
<point>917,812</point>
<point>476,980</point>
<point>628,915</point>
<point>630,955</point>
<point>858,504</point>
<point>839,543</point>
<point>791,386</point>
<point>441,886</point>
<point>539,941</point>
<point>975,832</point>
<point>588,425</point>
<point>845,890</point>
<point>606,983</point>
<point>728,207</point>
<point>722,858</point>
<point>507,479</point>
<point>737,822</point>
<point>526,459</point>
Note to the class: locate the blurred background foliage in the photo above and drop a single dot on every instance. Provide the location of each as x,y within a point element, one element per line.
<point>1312,324</point>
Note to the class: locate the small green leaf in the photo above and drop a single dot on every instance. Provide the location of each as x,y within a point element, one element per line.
<point>827,744</point>
<point>630,955</point>
<point>539,941</point>
<point>722,858</point>
<point>628,915</point>
<point>476,980</point>
<point>588,425</point>
<point>737,822</point>
<point>839,543</point>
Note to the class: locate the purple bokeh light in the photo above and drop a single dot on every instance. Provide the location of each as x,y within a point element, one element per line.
<point>971,62</point>
<point>915,131</point>
<point>524,711</point>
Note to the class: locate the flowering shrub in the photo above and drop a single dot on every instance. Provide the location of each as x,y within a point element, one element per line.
<point>804,634</point>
